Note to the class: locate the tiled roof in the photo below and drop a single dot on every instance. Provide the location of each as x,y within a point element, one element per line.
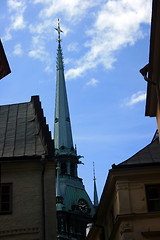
<point>148,155</point>
<point>23,130</point>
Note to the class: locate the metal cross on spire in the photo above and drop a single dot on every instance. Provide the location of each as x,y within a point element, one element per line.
<point>59,31</point>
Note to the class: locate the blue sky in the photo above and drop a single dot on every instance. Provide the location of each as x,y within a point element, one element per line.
<point>105,43</point>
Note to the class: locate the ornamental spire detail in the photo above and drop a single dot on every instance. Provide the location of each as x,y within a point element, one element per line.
<point>59,30</point>
<point>95,188</point>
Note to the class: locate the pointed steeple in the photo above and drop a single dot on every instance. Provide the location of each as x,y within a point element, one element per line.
<point>62,125</point>
<point>71,198</point>
<point>95,188</point>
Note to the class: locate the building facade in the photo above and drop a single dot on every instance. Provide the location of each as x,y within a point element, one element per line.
<point>151,70</point>
<point>129,208</point>
<point>27,170</point>
<point>4,65</point>
<point>74,207</point>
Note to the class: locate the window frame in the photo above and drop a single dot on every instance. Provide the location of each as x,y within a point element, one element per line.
<point>152,200</point>
<point>10,194</point>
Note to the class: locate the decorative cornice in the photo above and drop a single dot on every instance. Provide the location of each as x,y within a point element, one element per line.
<point>19,231</point>
<point>60,59</point>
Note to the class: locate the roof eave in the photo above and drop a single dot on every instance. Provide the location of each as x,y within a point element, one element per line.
<point>4,65</point>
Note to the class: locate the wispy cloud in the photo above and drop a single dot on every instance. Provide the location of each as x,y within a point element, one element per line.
<point>73,10</point>
<point>93,82</point>
<point>17,22</point>
<point>134,99</point>
<point>37,49</point>
<point>73,47</point>
<point>18,49</point>
<point>117,25</point>
<point>17,10</point>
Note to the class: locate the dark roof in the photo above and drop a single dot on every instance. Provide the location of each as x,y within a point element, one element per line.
<point>23,130</point>
<point>149,155</point>
<point>4,66</point>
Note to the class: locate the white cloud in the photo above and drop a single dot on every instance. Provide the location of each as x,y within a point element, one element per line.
<point>38,51</point>
<point>71,9</point>
<point>41,27</point>
<point>117,25</point>
<point>74,72</point>
<point>48,69</point>
<point>18,22</point>
<point>73,47</point>
<point>93,82</point>
<point>42,32</point>
<point>18,49</point>
<point>135,98</point>
<point>15,4</point>
<point>7,35</point>
<point>16,10</point>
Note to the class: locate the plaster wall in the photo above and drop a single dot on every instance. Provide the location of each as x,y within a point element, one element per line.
<point>138,228</point>
<point>26,220</point>
<point>131,217</point>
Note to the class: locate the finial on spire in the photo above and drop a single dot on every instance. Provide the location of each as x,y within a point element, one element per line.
<point>59,30</point>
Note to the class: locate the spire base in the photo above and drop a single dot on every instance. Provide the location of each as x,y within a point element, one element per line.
<point>65,151</point>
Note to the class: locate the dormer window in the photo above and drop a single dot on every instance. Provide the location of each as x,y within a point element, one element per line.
<point>63,168</point>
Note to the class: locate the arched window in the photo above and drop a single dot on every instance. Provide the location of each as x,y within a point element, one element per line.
<point>72,170</point>
<point>63,168</point>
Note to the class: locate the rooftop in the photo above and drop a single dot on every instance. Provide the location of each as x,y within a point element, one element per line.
<point>23,130</point>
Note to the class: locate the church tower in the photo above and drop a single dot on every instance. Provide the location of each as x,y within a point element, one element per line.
<point>73,205</point>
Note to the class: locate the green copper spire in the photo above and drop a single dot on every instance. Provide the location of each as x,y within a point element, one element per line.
<point>62,126</point>
<point>73,205</point>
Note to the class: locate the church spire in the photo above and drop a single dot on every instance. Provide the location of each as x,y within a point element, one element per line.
<point>72,201</point>
<point>95,188</point>
<point>62,126</point>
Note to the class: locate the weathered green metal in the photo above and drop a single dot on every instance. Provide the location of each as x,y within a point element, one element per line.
<point>95,201</point>
<point>62,125</point>
<point>72,213</point>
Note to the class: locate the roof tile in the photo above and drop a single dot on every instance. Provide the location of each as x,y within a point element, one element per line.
<point>24,131</point>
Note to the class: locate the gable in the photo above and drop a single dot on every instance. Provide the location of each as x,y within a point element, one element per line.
<point>23,130</point>
<point>148,155</point>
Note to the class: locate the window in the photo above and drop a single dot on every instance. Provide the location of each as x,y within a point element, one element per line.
<point>72,170</point>
<point>153,197</point>
<point>63,168</point>
<point>5,198</point>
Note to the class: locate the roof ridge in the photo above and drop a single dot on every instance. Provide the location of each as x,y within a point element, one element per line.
<point>44,132</point>
<point>137,153</point>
